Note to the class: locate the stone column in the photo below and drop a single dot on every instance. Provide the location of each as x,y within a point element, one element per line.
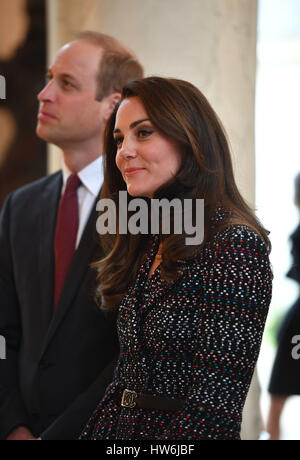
<point>65,19</point>
<point>212,43</point>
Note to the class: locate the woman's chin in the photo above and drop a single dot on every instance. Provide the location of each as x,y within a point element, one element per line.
<point>134,192</point>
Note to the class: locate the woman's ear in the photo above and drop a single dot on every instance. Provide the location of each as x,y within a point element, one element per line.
<point>110,103</point>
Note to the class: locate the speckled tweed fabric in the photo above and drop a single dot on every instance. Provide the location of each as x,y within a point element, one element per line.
<point>197,339</point>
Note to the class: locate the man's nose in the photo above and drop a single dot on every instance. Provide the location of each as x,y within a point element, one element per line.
<point>47,93</point>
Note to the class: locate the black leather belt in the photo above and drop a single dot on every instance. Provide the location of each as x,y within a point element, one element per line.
<point>131,399</point>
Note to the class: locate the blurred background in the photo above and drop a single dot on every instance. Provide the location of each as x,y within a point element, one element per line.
<point>22,63</point>
<point>277,144</point>
<point>245,57</point>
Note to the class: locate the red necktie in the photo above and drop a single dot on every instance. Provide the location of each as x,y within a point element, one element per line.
<point>65,234</point>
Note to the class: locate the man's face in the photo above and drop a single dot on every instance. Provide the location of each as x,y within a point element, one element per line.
<point>69,115</point>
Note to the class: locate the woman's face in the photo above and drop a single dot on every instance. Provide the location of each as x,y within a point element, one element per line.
<point>146,158</point>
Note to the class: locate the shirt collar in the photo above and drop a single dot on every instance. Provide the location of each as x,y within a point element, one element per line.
<point>91,176</point>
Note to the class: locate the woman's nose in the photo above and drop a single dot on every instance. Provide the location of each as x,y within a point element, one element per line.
<point>127,150</point>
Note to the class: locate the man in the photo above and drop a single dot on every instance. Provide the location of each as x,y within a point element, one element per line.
<point>60,346</point>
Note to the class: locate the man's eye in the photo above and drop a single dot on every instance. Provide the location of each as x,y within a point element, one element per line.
<point>67,84</point>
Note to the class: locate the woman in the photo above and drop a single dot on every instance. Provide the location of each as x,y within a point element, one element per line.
<point>285,377</point>
<point>191,317</point>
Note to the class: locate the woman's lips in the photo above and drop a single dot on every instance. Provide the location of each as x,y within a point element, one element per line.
<point>131,172</point>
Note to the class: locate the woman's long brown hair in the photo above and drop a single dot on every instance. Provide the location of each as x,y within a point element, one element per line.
<point>179,111</point>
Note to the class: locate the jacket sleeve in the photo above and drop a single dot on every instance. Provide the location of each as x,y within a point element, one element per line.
<point>12,409</point>
<point>233,300</point>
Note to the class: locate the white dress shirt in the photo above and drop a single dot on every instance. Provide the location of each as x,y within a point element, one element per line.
<point>91,182</point>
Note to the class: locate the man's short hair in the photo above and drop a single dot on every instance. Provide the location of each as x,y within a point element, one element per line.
<point>118,65</point>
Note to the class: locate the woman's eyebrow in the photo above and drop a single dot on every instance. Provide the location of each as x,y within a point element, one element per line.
<point>133,125</point>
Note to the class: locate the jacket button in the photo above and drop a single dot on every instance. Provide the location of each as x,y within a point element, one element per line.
<point>35,418</point>
<point>44,364</point>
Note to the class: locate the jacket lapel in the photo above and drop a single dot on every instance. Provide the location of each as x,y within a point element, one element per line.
<point>49,205</point>
<point>87,252</point>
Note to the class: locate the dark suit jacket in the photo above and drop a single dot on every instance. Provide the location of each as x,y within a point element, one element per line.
<point>294,271</point>
<point>58,365</point>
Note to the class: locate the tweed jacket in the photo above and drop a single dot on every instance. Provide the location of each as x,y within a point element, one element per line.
<point>195,339</point>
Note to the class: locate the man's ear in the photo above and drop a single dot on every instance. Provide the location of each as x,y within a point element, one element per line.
<point>110,103</point>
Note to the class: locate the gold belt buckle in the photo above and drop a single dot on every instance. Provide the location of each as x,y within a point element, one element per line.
<point>129,399</point>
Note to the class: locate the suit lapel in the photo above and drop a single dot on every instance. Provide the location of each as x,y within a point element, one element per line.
<point>49,204</point>
<point>86,253</point>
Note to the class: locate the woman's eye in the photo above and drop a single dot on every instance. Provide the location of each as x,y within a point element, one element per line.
<point>118,141</point>
<point>144,132</point>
